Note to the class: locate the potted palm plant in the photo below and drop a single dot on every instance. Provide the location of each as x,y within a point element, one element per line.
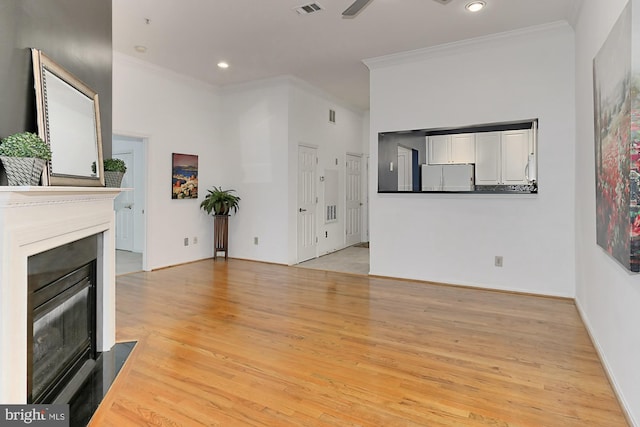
<point>24,156</point>
<point>221,203</point>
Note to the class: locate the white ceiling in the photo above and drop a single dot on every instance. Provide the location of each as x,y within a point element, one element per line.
<point>267,38</point>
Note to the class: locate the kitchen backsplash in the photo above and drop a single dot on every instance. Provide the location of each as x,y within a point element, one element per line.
<point>520,188</point>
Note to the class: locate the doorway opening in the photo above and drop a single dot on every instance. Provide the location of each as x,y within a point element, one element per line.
<point>351,206</point>
<point>130,205</point>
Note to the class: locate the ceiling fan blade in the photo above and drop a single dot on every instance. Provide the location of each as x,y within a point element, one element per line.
<point>355,7</point>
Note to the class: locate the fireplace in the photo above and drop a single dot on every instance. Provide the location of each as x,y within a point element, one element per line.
<point>34,220</point>
<point>62,348</point>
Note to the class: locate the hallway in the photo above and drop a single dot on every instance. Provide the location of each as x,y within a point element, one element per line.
<point>128,262</point>
<point>354,260</point>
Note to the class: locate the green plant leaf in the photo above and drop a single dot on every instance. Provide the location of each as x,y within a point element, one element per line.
<point>25,144</point>
<point>115,165</point>
<point>220,202</point>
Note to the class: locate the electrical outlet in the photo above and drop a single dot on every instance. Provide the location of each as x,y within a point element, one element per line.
<point>498,260</point>
<point>186,241</point>
<point>195,240</point>
<point>255,240</point>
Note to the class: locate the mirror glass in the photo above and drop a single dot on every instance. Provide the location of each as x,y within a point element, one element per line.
<point>69,121</point>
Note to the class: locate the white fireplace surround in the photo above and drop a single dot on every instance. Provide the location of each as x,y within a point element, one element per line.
<point>33,220</point>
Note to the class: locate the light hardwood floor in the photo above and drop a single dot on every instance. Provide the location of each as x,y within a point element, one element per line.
<point>353,259</point>
<point>241,343</point>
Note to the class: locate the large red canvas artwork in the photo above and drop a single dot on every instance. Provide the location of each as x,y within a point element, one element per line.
<point>617,145</point>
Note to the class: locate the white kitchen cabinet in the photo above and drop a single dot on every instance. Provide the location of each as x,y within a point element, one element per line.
<point>488,158</point>
<point>502,157</point>
<point>455,148</point>
<point>515,156</point>
<point>463,148</point>
<point>438,149</point>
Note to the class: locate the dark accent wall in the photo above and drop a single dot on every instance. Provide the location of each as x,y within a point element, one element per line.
<point>388,152</point>
<point>74,33</point>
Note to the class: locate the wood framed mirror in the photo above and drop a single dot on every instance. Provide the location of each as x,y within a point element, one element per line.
<point>69,121</point>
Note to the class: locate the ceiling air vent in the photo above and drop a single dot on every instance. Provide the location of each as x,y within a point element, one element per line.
<point>308,8</point>
<point>443,1</point>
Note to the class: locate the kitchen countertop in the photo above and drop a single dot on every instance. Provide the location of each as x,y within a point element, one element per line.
<point>481,189</point>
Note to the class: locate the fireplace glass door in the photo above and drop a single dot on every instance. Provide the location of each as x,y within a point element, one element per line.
<point>61,336</point>
<point>62,283</point>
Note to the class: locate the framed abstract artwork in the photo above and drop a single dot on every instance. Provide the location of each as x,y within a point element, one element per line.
<point>184,170</point>
<point>616,86</point>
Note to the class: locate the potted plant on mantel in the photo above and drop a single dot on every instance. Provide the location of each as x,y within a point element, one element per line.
<point>114,170</point>
<point>221,203</point>
<point>24,156</point>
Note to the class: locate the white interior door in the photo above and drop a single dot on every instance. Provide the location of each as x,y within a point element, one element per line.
<point>354,200</point>
<point>124,205</point>
<point>307,203</point>
<point>405,169</point>
<point>365,213</point>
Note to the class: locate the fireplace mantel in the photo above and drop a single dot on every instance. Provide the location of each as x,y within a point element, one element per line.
<point>33,220</point>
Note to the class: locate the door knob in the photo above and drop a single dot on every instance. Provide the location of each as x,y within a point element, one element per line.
<point>302,210</point>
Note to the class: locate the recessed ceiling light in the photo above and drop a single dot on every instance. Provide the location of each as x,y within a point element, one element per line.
<point>223,64</point>
<point>140,48</point>
<point>475,6</point>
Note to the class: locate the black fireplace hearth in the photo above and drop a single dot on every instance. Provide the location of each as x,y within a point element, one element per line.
<point>89,395</point>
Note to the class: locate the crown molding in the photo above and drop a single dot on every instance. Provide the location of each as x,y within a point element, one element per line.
<point>161,71</point>
<point>463,45</point>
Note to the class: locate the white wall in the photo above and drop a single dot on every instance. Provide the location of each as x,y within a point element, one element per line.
<point>366,125</point>
<point>262,124</point>
<point>309,125</point>
<point>607,295</point>
<point>243,136</point>
<point>174,114</point>
<point>454,238</point>
<point>254,162</point>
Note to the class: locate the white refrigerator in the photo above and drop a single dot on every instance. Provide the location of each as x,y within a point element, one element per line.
<point>455,177</point>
